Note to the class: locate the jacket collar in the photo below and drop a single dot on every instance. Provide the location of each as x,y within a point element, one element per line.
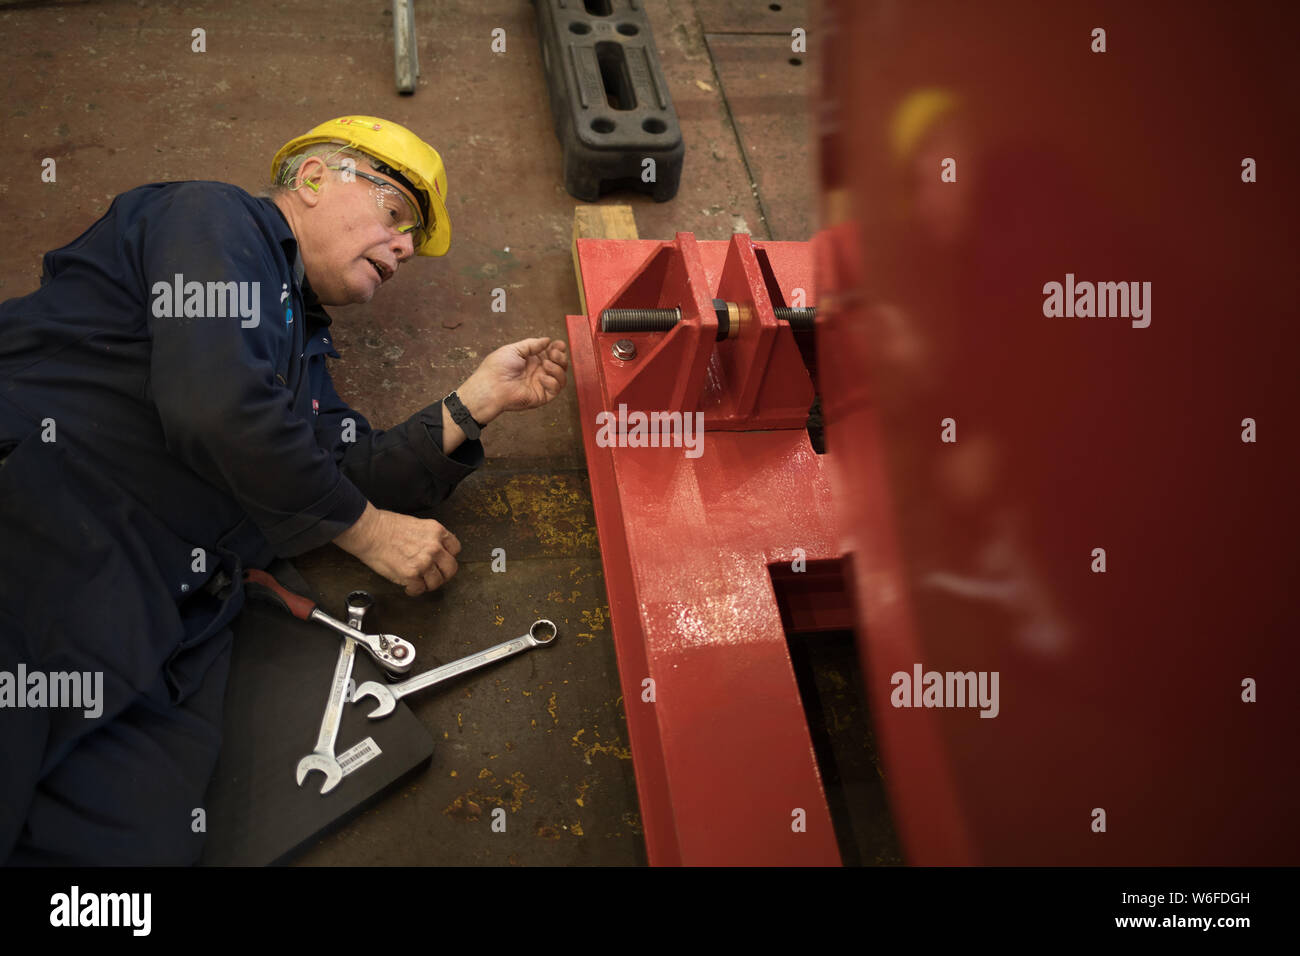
<point>315,312</point>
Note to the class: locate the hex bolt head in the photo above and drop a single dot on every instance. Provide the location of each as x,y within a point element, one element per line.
<point>624,349</point>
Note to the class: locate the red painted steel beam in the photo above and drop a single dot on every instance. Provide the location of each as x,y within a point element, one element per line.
<point>722,755</point>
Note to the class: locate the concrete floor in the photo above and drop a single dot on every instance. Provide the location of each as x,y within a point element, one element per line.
<point>114,93</point>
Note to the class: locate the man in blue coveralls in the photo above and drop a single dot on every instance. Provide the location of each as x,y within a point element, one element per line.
<point>166,421</point>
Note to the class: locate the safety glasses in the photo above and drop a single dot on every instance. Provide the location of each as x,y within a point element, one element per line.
<point>395,207</point>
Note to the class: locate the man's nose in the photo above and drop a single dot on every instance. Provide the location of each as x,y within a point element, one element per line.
<point>403,246</point>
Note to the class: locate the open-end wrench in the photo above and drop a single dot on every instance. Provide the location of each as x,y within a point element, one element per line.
<point>389,651</point>
<point>322,758</point>
<point>542,632</point>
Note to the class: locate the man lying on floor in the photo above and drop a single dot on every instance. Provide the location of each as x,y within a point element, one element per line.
<point>166,421</point>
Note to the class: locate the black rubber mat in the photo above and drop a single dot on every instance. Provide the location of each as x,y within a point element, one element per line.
<point>279,680</point>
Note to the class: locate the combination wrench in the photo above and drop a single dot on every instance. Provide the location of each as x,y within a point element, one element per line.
<point>389,651</point>
<point>541,633</point>
<point>322,758</point>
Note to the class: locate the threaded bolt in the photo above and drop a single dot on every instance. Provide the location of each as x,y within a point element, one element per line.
<point>798,318</point>
<point>639,320</point>
<point>663,320</point>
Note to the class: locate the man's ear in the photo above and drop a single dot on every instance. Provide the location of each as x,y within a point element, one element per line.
<point>311,175</point>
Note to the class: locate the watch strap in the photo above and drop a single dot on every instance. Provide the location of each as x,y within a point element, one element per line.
<point>461,416</point>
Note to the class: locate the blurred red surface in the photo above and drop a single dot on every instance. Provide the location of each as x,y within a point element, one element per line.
<point>1123,690</point>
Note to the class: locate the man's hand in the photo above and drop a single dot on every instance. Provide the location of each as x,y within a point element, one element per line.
<point>418,553</point>
<point>516,377</point>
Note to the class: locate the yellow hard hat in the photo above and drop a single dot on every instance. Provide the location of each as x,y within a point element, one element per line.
<point>407,158</point>
<point>916,115</point>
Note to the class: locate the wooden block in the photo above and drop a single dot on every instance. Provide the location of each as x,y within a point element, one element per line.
<point>599,222</point>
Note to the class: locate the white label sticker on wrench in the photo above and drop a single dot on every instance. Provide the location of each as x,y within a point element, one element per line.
<point>359,756</point>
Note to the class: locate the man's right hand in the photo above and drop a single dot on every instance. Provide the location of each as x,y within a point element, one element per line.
<point>417,553</point>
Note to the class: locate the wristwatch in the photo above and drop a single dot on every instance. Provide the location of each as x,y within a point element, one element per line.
<point>461,416</point>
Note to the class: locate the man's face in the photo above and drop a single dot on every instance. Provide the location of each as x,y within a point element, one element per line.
<point>348,229</point>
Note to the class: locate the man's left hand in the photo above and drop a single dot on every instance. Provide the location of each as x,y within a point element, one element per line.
<point>516,377</point>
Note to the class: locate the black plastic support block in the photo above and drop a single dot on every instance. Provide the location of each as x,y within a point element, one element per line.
<point>609,98</point>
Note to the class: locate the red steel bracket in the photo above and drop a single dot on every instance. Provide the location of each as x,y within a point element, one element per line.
<point>723,757</point>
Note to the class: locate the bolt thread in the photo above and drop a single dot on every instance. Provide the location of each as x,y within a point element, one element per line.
<point>639,320</point>
<point>798,318</point>
<point>661,320</point>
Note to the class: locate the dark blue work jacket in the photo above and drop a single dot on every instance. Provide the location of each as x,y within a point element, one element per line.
<point>153,435</point>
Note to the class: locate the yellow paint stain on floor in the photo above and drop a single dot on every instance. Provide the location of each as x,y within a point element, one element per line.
<point>489,504</point>
<point>459,723</point>
<point>579,576</point>
<point>484,773</point>
<point>583,787</point>
<point>576,829</point>
<point>508,793</point>
<point>556,512</point>
<point>551,707</point>
<point>589,639</point>
<point>517,787</point>
<point>465,808</point>
<point>597,617</point>
<point>614,750</point>
<point>500,620</point>
<point>599,747</point>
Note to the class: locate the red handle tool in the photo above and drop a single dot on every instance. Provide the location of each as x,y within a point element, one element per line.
<point>297,605</point>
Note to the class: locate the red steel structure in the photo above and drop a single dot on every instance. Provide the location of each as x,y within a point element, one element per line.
<point>723,759</point>
<point>1100,510</point>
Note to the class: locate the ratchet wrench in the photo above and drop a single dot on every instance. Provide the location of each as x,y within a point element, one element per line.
<point>389,651</point>
<point>541,633</point>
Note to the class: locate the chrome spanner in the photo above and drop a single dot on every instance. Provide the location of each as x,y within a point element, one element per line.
<point>389,651</point>
<point>322,758</point>
<point>541,633</point>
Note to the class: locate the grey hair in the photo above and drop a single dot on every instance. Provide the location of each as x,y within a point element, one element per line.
<point>292,165</point>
